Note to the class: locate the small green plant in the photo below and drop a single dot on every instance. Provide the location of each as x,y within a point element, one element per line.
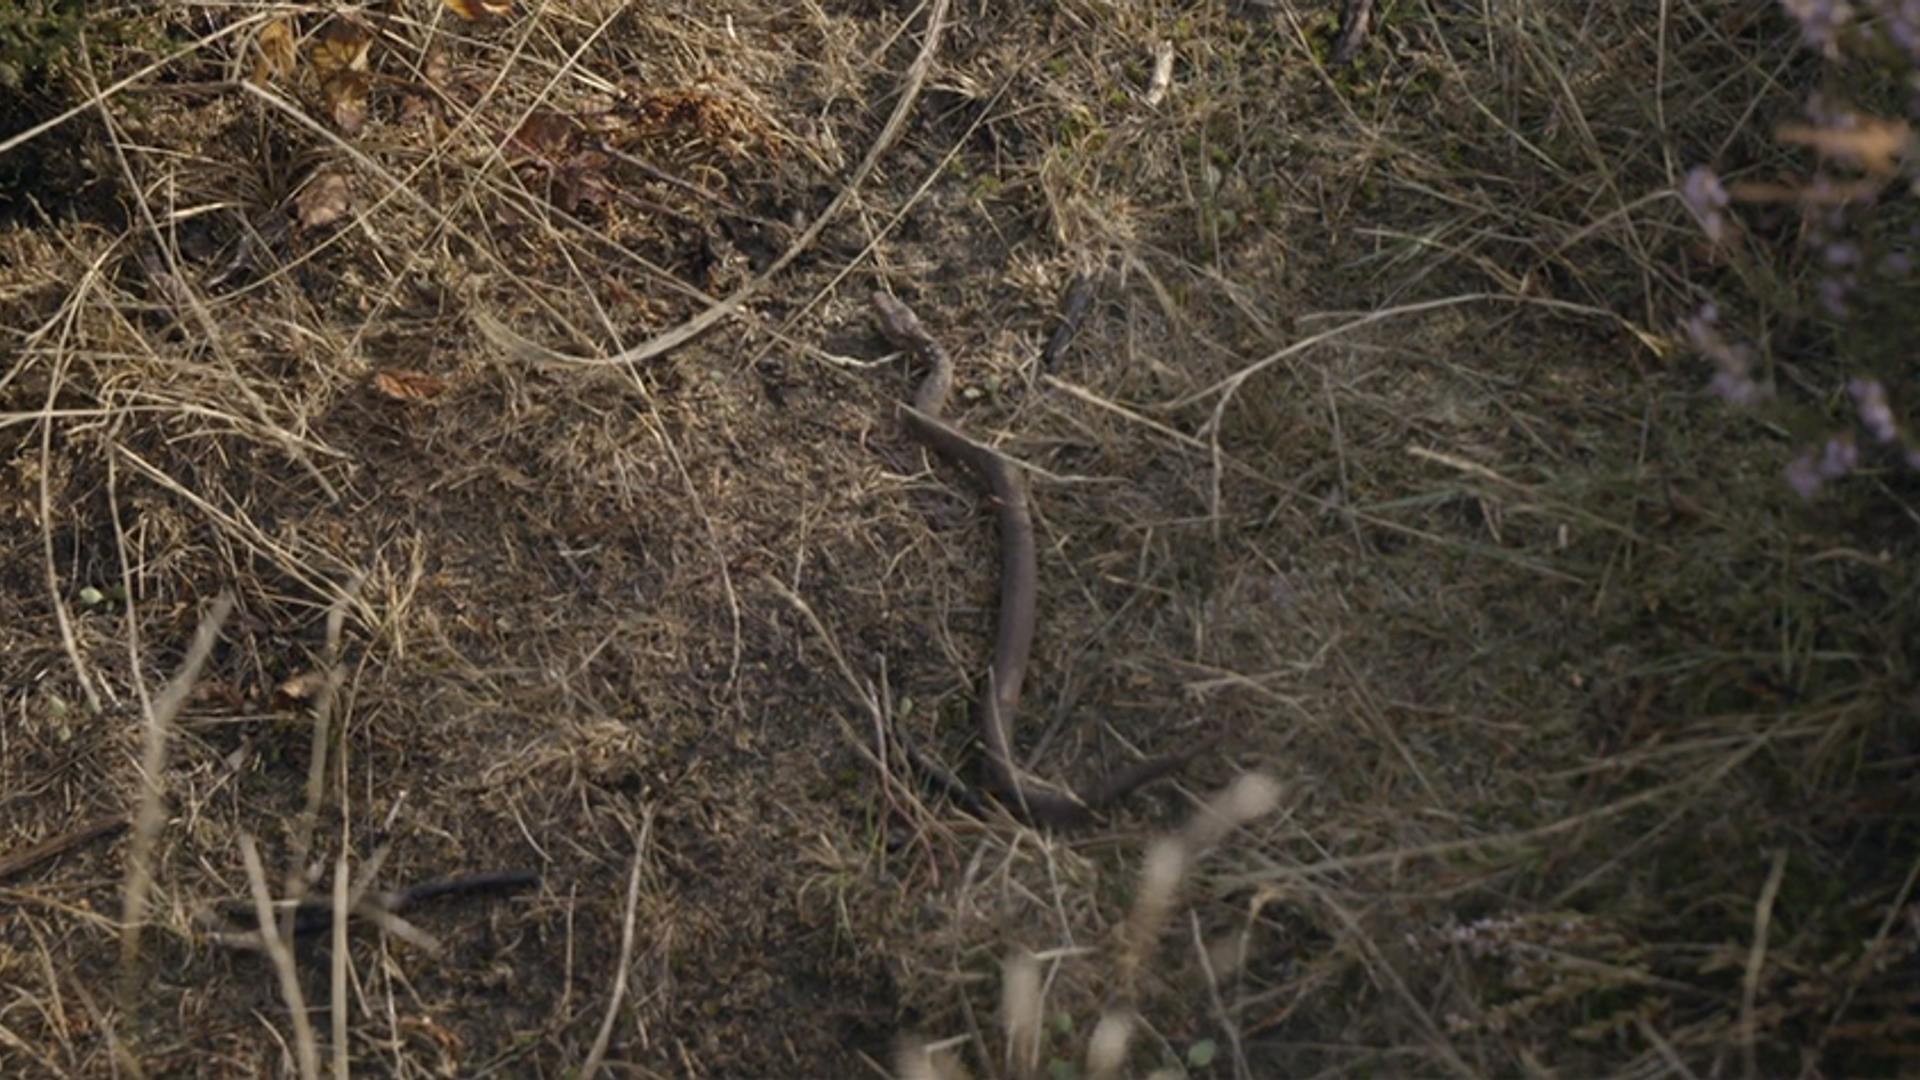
<point>36,36</point>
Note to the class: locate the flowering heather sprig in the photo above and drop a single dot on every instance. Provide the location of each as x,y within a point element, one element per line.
<point>1813,469</point>
<point>1839,282</point>
<point>1733,382</point>
<point>1860,156</point>
<point>1902,20</point>
<point>1541,960</point>
<point>1707,198</point>
<point>1840,455</point>
<point>1821,22</point>
<point>1870,397</point>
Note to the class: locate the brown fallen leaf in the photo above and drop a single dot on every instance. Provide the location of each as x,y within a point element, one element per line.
<point>277,56</point>
<point>325,199</point>
<point>547,134</point>
<point>402,384</point>
<point>417,109</point>
<point>218,693</point>
<point>346,96</point>
<point>480,10</point>
<point>340,60</point>
<point>551,143</point>
<point>421,102</point>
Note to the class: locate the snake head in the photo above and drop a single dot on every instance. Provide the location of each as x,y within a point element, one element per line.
<point>897,321</point>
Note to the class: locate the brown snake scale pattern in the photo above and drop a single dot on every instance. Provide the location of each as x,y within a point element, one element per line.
<point>999,699</point>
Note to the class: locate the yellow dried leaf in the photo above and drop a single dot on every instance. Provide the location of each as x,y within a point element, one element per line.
<point>547,134</point>
<point>300,689</point>
<point>480,10</point>
<point>277,54</point>
<point>342,46</point>
<point>402,384</point>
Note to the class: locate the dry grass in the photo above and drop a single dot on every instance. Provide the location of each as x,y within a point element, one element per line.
<point>549,388</point>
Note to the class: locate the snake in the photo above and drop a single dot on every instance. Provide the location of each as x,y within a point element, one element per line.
<point>999,700</point>
<point>315,914</point>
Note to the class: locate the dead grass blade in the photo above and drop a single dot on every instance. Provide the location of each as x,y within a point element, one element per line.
<point>280,952</point>
<point>661,344</point>
<point>150,816</point>
<point>1021,1009</point>
<point>301,841</point>
<point>1757,959</point>
<point>1693,784</point>
<point>337,983</point>
<point>1167,865</point>
<point>618,993</point>
<point>875,752</point>
<point>1226,389</point>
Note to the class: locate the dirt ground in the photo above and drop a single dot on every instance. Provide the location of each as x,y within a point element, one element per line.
<point>514,378</point>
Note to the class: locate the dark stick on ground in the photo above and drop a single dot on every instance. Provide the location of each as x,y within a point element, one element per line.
<point>1354,24</point>
<point>47,849</point>
<point>1073,311</point>
<point>316,914</point>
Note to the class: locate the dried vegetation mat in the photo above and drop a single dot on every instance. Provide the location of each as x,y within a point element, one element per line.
<point>445,439</point>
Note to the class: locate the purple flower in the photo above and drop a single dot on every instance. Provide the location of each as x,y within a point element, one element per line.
<point>1834,292</point>
<point>1903,24</point>
<point>1812,470</point>
<point>1736,388</point>
<point>1700,328</point>
<point>1838,457</point>
<point>1707,198</point>
<point>1870,397</point>
<point>1733,382</point>
<point>1833,219</point>
<point>1827,112</point>
<point>1821,22</point>
<point>1803,476</point>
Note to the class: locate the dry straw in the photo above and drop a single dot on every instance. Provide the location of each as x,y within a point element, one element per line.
<point>1167,865</point>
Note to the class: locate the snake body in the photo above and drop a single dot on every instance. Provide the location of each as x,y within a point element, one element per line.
<point>314,915</point>
<point>999,700</point>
